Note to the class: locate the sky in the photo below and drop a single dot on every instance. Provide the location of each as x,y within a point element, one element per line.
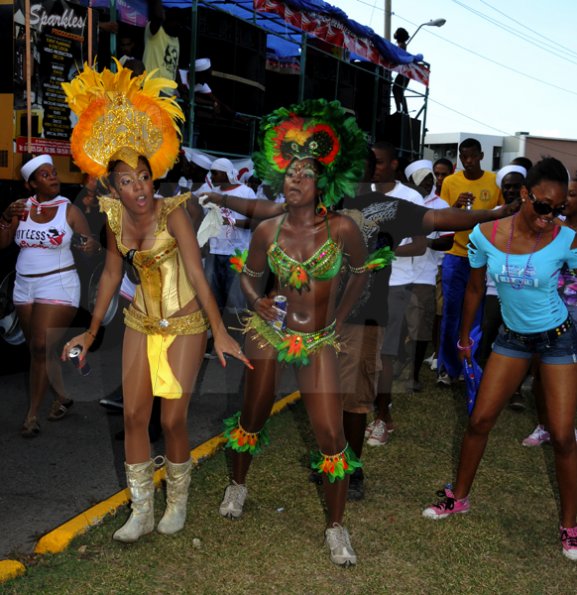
<point>496,67</point>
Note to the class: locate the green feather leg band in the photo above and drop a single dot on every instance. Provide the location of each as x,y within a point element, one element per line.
<point>336,466</point>
<point>242,441</point>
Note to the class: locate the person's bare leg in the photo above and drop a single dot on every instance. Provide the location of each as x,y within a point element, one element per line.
<point>500,379</point>
<point>319,386</point>
<point>385,383</point>
<point>258,399</point>
<point>559,385</point>
<point>44,326</point>
<point>137,394</point>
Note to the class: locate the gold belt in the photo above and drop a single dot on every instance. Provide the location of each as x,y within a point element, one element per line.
<point>190,324</point>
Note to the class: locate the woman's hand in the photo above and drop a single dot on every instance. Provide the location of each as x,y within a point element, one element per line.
<point>265,308</point>
<point>464,347</point>
<point>224,343</point>
<point>84,341</point>
<point>88,246</point>
<point>15,209</point>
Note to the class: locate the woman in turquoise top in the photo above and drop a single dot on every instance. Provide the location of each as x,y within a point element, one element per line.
<point>524,255</point>
<point>316,155</point>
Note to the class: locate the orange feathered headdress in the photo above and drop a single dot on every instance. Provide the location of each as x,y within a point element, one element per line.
<point>120,117</point>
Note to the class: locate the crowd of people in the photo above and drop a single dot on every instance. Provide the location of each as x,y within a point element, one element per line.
<point>339,264</point>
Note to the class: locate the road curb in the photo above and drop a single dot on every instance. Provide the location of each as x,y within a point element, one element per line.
<point>59,539</point>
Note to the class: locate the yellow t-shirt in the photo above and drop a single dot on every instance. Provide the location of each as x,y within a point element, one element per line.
<point>487,196</point>
<point>161,51</point>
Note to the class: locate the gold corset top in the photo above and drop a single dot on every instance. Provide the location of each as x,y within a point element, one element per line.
<point>164,287</point>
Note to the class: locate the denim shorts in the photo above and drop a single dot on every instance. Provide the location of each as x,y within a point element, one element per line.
<point>557,350</point>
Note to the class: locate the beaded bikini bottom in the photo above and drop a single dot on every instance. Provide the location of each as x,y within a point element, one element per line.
<point>292,346</point>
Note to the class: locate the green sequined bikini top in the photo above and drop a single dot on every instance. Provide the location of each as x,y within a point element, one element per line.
<point>324,264</point>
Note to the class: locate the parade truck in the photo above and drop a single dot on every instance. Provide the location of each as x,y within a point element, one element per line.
<point>264,53</point>
<point>41,45</point>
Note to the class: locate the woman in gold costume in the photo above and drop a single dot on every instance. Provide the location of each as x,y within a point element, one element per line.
<point>127,132</point>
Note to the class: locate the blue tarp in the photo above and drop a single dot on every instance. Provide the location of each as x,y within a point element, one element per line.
<point>288,43</point>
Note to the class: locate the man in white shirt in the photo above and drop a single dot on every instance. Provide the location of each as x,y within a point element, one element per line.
<point>420,313</point>
<point>234,235</point>
<point>402,277</point>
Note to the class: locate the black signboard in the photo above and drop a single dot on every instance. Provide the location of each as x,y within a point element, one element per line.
<point>59,33</point>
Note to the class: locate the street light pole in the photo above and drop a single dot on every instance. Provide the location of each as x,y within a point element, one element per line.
<point>388,13</point>
<point>432,23</point>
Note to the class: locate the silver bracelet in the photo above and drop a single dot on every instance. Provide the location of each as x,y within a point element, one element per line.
<point>250,273</point>
<point>358,270</point>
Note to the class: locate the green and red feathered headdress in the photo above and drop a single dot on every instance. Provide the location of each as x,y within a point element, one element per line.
<point>314,129</point>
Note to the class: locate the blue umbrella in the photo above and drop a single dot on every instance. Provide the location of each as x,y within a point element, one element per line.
<point>472,372</point>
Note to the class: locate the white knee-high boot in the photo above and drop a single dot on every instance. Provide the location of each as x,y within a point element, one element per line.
<point>141,485</point>
<point>177,484</point>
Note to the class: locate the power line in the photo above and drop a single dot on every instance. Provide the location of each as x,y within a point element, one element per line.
<point>554,42</point>
<point>533,41</point>
<point>519,72</point>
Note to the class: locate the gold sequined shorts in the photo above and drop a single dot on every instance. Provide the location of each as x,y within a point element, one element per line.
<point>190,324</point>
<point>312,341</point>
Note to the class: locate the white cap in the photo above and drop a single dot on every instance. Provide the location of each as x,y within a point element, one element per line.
<point>225,165</point>
<point>510,169</point>
<point>419,170</point>
<point>197,158</point>
<point>31,166</point>
<point>202,64</point>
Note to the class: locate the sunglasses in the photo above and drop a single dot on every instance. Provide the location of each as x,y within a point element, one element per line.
<point>544,208</point>
<point>129,268</point>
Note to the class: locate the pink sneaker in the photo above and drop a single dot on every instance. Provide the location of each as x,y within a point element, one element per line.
<point>537,437</point>
<point>379,435</point>
<point>569,542</point>
<point>369,429</point>
<point>446,507</point>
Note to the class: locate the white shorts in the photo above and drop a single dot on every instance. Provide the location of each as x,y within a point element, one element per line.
<point>58,288</point>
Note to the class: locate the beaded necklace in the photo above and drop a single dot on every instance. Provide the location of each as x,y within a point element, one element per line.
<point>518,283</point>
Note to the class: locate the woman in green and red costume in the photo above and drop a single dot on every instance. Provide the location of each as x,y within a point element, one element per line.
<point>314,153</point>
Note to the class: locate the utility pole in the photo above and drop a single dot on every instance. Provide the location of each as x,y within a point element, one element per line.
<point>388,13</point>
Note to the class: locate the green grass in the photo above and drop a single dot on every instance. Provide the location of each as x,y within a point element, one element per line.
<point>507,544</point>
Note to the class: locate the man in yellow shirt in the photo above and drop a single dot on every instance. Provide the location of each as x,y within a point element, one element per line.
<point>161,42</point>
<point>475,189</point>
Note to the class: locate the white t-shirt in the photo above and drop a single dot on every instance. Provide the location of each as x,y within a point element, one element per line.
<point>230,237</point>
<point>425,266</point>
<point>402,269</point>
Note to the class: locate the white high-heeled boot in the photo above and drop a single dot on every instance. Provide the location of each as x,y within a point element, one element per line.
<point>141,485</point>
<point>177,484</point>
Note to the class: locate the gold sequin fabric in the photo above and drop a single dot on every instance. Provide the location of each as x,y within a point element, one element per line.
<point>164,287</point>
<point>191,324</point>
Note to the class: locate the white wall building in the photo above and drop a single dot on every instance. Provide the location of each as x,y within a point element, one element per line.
<point>501,150</point>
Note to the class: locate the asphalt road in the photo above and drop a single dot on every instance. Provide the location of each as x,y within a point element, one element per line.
<point>76,462</point>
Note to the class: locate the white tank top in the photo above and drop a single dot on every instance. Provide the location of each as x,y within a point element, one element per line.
<point>44,247</point>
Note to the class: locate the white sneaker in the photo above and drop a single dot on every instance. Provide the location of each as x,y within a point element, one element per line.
<point>537,437</point>
<point>233,501</point>
<point>380,435</point>
<point>444,378</point>
<point>429,360</point>
<point>339,543</point>
<point>434,365</point>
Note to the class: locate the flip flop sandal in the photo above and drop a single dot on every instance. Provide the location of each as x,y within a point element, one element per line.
<point>59,409</point>
<point>30,428</point>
